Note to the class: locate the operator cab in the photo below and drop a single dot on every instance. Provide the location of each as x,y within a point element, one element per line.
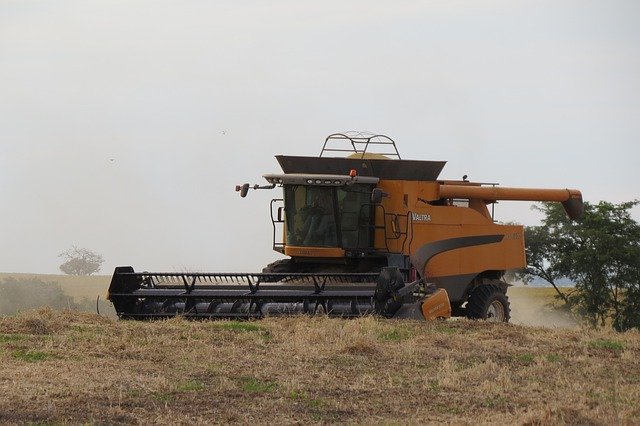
<point>327,210</point>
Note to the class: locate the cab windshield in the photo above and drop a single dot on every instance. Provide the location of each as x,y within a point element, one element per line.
<point>323,216</point>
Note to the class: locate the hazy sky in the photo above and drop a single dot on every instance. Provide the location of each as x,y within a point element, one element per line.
<point>124,125</point>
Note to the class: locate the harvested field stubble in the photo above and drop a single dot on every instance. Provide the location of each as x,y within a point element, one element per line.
<point>75,367</point>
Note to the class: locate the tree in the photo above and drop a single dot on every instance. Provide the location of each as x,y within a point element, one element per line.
<point>80,261</point>
<point>600,253</point>
<point>544,255</point>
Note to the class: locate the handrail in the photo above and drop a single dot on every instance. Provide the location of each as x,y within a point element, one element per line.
<point>356,140</point>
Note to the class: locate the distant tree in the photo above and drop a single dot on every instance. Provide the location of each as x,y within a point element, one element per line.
<point>80,261</point>
<point>600,253</point>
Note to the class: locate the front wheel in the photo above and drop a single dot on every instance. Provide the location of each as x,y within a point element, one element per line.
<point>488,302</point>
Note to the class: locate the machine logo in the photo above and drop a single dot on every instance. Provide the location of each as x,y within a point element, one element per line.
<point>420,217</point>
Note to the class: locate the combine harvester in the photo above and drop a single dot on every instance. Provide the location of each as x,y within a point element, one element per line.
<point>370,233</point>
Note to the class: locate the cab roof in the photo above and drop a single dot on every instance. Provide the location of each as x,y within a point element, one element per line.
<point>385,169</point>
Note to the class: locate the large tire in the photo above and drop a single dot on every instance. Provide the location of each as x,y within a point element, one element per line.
<point>488,302</point>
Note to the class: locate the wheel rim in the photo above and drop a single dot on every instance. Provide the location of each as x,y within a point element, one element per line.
<point>495,312</point>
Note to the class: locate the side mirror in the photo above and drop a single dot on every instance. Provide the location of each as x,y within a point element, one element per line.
<point>243,190</point>
<point>377,195</point>
<point>280,211</point>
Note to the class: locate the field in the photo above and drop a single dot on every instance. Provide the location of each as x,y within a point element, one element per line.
<point>75,367</point>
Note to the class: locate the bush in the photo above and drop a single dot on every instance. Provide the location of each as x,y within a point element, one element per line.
<point>19,295</point>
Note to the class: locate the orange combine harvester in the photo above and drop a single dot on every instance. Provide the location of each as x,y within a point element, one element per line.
<point>369,233</point>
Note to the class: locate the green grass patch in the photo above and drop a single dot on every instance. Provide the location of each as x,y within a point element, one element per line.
<point>242,327</point>
<point>133,393</point>
<point>31,355</point>
<point>297,395</point>
<point>315,402</point>
<point>8,338</point>
<point>190,386</point>
<point>304,397</point>
<point>255,385</point>
<point>525,359</point>
<point>612,345</point>
<point>445,329</point>
<point>162,396</point>
<point>553,358</point>
<point>394,335</point>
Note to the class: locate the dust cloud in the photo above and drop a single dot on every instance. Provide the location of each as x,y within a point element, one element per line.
<point>537,307</point>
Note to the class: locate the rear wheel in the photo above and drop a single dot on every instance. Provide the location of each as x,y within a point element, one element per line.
<point>488,302</point>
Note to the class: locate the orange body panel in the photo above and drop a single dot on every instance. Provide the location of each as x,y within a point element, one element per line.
<point>436,305</point>
<point>426,223</point>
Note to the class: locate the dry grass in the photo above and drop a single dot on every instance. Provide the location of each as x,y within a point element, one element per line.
<point>59,367</point>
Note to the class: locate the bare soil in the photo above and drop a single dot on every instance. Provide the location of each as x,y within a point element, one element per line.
<point>71,367</point>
